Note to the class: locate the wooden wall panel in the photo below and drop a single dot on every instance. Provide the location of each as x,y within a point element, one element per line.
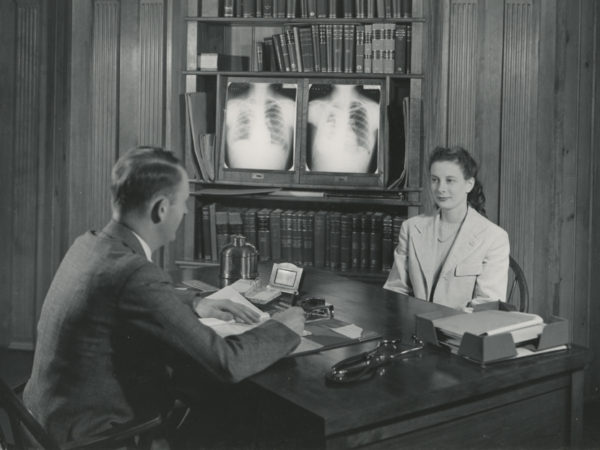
<point>519,95</point>
<point>104,88</point>
<point>462,74</point>
<point>594,296</point>
<point>7,117</point>
<point>25,174</point>
<point>152,39</point>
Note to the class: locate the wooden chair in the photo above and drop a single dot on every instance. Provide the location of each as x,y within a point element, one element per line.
<point>518,292</point>
<point>22,421</point>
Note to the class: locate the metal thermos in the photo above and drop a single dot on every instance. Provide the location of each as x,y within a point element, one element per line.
<point>239,259</point>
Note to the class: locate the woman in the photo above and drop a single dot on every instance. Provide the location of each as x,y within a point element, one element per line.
<point>455,256</point>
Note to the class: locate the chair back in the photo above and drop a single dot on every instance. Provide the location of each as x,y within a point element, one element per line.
<point>20,419</point>
<point>518,291</point>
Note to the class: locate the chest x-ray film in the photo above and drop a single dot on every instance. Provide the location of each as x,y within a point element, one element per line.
<point>260,125</point>
<point>343,128</point>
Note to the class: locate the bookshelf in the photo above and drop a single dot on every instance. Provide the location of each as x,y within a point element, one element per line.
<point>235,40</point>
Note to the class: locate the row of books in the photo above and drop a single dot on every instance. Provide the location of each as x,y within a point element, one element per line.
<point>326,239</point>
<point>309,8</point>
<point>349,48</point>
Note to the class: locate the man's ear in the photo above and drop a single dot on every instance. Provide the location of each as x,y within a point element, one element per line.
<point>159,209</point>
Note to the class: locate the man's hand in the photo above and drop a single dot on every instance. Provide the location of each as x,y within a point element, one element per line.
<point>293,318</point>
<point>224,309</point>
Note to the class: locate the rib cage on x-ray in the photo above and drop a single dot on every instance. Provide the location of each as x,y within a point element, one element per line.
<point>260,129</point>
<point>345,125</point>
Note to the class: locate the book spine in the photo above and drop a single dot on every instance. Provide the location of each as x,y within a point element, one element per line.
<point>259,8</point>
<point>206,233</point>
<point>296,218</point>
<point>286,235</point>
<point>408,47</point>
<point>312,7</point>
<point>338,47</point>
<point>345,242</point>
<point>260,50</point>
<point>347,11</point>
<point>306,48</point>
<point>264,234</point>
<point>239,8</point>
<point>397,9</point>
<point>322,10</point>
<point>282,40</point>
<point>348,48</point>
<point>370,9</point>
<point>290,9</point>
<point>329,35</point>
<point>332,9</point>
<point>319,238</point>
<point>387,248</point>
<point>380,9</point>
<point>388,47</point>
<point>235,222</point>
<point>314,29</point>
<point>228,8</point>
<point>222,223</point>
<point>288,36</point>
<point>269,58</point>
<point>248,8</point>
<point>377,48</point>
<point>275,227</point>
<point>375,242</point>
<point>359,9</point>
<point>323,51</point>
<point>360,49</point>
<point>355,241</point>
<point>298,47</point>
<point>400,54</point>
<point>388,9</point>
<point>365,238</point>
<point>303,9</point>
<point>250,226</point>
<point>198,237</point>
<point>278,47</point>
<point>307,226</point>
<point>267,8</point>
<point>334,240</point>
<point>368,48</point>
<point>406,6</point>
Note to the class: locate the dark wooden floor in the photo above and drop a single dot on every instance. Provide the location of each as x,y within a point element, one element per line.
<point>16,365</point>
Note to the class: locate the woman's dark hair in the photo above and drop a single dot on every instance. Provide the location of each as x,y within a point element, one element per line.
<point>468,166</point>
<point>142,173</point>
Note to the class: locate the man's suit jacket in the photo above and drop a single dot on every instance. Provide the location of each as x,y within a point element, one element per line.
<point>108,322</point>
<point>476,266</point>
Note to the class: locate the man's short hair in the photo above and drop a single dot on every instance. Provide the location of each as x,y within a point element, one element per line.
<point>142,173</point>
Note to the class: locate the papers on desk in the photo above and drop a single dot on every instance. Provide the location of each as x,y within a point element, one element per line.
<point>522,326</point>
<point>227,328</point>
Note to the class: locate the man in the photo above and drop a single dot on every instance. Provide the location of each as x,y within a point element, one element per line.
<point>112,319</point>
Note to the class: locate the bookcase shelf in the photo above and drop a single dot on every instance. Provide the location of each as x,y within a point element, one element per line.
<point>236,40</point>
<point>366,76</point>
<point>269,22</point>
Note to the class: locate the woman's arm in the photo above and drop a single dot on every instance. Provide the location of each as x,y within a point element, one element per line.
<point>398,279</point>
<point>493,281</point>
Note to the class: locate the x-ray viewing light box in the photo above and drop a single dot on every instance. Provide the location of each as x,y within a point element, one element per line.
<point>302,132</point>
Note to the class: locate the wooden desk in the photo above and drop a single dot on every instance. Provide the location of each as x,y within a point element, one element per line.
<point>433,400</point>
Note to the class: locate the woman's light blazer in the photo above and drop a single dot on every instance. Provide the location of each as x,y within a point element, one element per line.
<point>476,266</point>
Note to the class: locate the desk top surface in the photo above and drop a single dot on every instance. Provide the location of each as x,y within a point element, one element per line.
<point>430,380</point>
